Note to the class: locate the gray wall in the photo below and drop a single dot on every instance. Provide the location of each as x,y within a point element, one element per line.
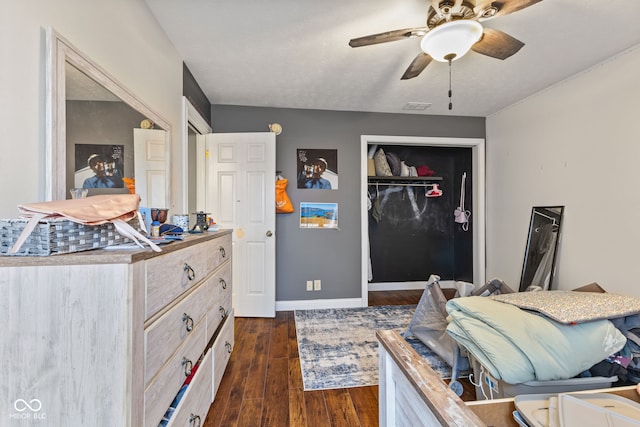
<point>331,256</point>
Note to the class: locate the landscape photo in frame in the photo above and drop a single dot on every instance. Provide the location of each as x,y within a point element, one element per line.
<point>323,216</point>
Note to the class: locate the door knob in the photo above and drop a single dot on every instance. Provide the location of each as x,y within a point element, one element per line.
<point>269,233</point>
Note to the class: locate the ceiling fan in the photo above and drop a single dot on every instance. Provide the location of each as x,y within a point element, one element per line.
<point>453,27</point>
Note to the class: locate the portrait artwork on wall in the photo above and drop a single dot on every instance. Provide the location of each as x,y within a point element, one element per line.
<point>317,169</point>
<point>99,166</point>
<point>321,216</point>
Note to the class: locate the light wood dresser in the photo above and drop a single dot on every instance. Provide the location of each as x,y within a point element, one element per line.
<point>108,337</point>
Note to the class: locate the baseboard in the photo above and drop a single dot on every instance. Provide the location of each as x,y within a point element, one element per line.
<point>354,302</point>
<point>406,286</point>
<point>318,304</point>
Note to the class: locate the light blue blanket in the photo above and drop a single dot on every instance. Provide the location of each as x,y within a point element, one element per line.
<point>517,346</point>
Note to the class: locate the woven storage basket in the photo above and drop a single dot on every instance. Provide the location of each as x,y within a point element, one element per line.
<point>58,236</point>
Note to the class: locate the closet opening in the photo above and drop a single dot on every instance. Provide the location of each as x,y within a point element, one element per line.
<point>410,228</point>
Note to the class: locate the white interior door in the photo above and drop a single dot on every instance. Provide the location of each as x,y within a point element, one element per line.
<point>150,167</point>
<point>240,187</point>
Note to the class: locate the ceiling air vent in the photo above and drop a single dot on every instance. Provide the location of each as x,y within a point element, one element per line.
<point>416,106</point>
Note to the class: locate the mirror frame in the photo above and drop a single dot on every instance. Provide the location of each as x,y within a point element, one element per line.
<point>59,52</point>
<point>550,214</point>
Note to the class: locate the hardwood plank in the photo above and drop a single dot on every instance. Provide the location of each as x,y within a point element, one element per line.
<point>293,336</point>
<point>262,324</point>
<point>251,413</point>
<point>275,411</point>
<point>297,411</point>
<point>257,372</point>
<point>295,374</point>
<point>228,402</point>
<point>340,408</point>
<point>278,346</point>
<point>316,408</point>
<point>231,414</point>
<point>365,402</point>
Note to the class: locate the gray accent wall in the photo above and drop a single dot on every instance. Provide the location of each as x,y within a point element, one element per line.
<point>332,256</point>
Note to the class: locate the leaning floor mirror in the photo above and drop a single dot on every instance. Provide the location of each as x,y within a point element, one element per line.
<point>542,247</point>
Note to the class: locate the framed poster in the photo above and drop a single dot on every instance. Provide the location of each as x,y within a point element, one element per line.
<point>319,215</point>
<point>317,169</point>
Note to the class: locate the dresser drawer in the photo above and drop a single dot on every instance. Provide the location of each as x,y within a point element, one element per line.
<point>222,349</point>
<point>163,388</point>
<point>169,331</point>
<point>169,275</point>
<point>220,303</point>
<point>194,405</point>
<point>221,251</point>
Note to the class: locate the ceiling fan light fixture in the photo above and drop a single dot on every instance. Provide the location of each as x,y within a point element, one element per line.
<point>451,40</point>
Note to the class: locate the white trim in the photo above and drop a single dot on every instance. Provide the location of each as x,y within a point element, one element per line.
<point>478,207</point>
<point>190,116</point>
<point>318,304</point>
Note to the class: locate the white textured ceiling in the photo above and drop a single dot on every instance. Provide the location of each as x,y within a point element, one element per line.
<point>295,53</point>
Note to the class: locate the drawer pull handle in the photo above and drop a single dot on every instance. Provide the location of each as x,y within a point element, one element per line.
<point>188,364</point>
<point>222,312</point>
<point>223,283</point>
<point>188,320</point>
<point>227,345</point>
<point>190,273</point>
<point>223,253</point>
<point>192,420</point>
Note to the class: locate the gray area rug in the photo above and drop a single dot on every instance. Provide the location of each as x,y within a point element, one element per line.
<point>338,347</point>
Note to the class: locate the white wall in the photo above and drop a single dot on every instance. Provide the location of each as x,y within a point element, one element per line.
<point>121,36</point>
<point>575,144</point>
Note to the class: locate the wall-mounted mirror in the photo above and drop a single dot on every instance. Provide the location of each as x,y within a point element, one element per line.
<point>542,247</point>
<point>100,136</point>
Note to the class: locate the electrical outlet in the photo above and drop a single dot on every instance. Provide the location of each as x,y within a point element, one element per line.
<point>309,285</point>
<point>317,285</point>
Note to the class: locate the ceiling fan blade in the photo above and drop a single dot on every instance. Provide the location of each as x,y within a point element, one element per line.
<point>389,36</point>
<point>496,44</point>
<point>487,9</point>
<point>418,64</point>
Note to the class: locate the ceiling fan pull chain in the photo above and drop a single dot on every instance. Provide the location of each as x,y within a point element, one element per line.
<point>450,103</point>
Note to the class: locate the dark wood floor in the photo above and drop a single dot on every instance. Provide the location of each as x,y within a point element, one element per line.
<point>262,385</point>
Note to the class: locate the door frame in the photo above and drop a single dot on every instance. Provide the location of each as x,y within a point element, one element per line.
<point>477,146</point>
<point>191,117</point>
